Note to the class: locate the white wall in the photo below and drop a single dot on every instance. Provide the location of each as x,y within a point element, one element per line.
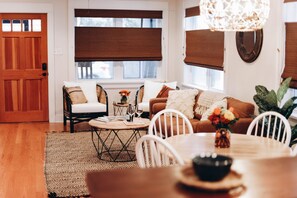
<point>241,78</point>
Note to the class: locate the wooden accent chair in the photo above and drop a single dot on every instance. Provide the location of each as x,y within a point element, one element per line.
<point>77,113</point>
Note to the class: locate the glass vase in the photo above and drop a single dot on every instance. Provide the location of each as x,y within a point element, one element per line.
<point>222,138</point>
<point>124,99</point>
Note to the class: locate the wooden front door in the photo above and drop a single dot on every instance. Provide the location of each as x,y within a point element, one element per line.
<point>23,68</point>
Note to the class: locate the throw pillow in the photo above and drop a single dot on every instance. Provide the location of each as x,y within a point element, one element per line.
<point>183,101</point>
<point>205,100</point>
<point>76,95</point>
<point>208,112</point>
<point>151,89</point>
<point>164,92</point>
<point>88,88</point>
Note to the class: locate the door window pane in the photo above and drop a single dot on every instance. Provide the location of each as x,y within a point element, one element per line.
<point>27,25</point>
<point>16,25</point>
<point>36,25</point>
<point>6,26</point>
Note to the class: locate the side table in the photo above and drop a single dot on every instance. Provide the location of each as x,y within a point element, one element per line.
<point>119,109</point>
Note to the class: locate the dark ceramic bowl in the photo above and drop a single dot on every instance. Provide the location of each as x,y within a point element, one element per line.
<point>211,167</point>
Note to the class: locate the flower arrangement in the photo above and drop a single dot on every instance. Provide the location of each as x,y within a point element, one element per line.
<point>124,95</point>
<point>222,118</point>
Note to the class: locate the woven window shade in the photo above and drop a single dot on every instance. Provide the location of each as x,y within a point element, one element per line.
<point>205,48</point>
<point>118,13</point>
<point>290,69</point>
<point>194,11</point>
<point>117,44</point>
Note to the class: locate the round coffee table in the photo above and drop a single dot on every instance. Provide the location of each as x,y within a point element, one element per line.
<point>107,138</point>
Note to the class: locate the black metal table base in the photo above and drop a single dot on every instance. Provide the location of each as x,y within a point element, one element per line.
<point>112,147</point>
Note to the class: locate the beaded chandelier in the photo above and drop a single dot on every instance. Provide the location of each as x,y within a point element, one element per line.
<point>235,15</point>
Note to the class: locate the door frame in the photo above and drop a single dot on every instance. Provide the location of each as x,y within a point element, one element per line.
<point>46,8</point>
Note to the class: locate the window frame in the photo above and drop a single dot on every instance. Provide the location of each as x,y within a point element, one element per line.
<point>127,5</point>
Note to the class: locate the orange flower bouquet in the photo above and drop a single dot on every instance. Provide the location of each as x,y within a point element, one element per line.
<point>222,119</point>
<point>124,95</point>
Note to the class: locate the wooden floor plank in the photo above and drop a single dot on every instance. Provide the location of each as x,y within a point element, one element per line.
<point>22,148</point>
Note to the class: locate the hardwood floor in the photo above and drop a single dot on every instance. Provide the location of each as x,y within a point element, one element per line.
<point>22,147</point>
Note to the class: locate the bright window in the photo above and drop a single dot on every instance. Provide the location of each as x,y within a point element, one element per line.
<point>107,69</point>
<point>201,77</point>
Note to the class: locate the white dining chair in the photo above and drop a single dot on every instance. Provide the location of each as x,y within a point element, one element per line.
<point>294,150</point>
<point>153,151</point>
<point>169,122</point>
<point>273,125</point>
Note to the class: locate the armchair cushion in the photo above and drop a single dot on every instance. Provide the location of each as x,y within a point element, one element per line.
<point>76,95</point>
<point>93,107</point>
<point>144,106</point>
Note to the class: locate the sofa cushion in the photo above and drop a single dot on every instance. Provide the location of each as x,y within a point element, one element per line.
<point>76,95</point>
<point>151,89</point>
<point>164,92</point>
<point>209,111</point>
<point>241,109</point>
<point>183,101</point>
<point>205,100</point>
<point>89,108</point>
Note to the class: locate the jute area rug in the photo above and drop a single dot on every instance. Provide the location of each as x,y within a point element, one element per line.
<point>69,157</point>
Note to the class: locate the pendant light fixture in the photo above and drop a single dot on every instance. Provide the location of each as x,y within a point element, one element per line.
<point>235,15</point>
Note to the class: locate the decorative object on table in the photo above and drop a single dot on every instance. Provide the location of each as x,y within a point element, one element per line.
<point>211,167</point>
<point>130,112</point>
<point>235,15</point>
<point>233,180</point>
<point>124,95</point>
<point>222,119</point>
<point>138,111</point>
<point>271,101</point>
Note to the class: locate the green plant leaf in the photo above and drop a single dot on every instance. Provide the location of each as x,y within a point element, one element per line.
<point>261,90</point>
<point>262,103</point>
<point>289,103</point>
<point>282,90</point>
<point>294,135</point>
<point>290,110</point>
<point>271,98</point>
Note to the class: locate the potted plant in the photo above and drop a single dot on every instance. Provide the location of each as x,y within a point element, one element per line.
<point>271,101</point>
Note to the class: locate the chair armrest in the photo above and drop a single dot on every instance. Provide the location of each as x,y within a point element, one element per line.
<point>139,95</point>
<point>156,105</point>
<point>102,96</point>
<point>66,100</point>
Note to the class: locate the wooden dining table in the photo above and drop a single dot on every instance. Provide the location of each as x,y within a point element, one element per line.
<point>242,146</point>
<point>271,178</point>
